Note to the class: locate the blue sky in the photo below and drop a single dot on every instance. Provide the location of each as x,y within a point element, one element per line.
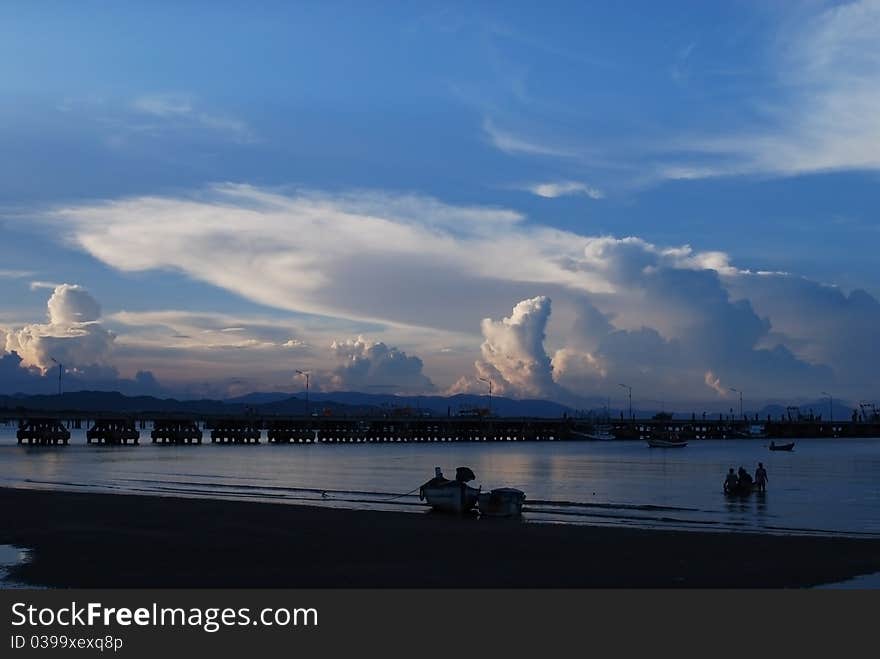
<point>381,185</point>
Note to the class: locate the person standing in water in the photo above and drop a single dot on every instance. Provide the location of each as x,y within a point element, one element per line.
<point>731,482</point>
<point>761,477</point>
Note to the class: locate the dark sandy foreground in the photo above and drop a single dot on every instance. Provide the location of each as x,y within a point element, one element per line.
<point>113,540</point>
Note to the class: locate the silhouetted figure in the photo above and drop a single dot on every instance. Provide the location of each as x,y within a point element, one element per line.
<point>745,480</point>
<point>761,477</point>
<point>731,483</point>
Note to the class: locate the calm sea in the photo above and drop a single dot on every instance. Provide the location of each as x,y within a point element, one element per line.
<point>823,486</point>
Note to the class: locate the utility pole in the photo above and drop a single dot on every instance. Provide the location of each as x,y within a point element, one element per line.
<point>489,382</point>
<point>830,406</point>
<point>307,374</point>
<point>629,390</point>
<point>740,400</point>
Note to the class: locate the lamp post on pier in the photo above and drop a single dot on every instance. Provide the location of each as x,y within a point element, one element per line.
<point>489,382</point>
<point>830,406</point>
<point>306,374</point>
<point>629,390</point>
<point>740,400</point>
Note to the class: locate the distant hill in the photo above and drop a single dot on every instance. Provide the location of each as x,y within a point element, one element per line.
<point>443,405</point>
<point>350,403</point>
<point>842,412</point>
<point>261,398</point>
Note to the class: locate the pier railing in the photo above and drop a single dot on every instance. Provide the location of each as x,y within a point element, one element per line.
<point>37,428</point>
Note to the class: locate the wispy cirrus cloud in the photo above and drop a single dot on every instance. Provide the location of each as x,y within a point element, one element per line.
<point>157,116</point>
<point>512,143</point>
<point>552,190</point>
<point>185,108</point>
<point>815,110</point>
<point>15,274</point>
<point>823,116</point>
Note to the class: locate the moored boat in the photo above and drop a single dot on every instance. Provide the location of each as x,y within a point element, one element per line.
<point>781,447</point>
<point>452,496</point>
<point>654,442</point>
<point>601,434</point>
<point>502,502</point>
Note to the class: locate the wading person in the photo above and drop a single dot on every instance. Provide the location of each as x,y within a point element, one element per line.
<point>761,477</point>
<point>731,482</point>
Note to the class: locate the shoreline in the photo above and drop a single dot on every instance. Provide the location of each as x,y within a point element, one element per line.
<point>92,540</point>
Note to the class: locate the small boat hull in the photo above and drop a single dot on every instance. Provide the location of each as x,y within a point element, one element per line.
<point>666,443</point>
<point>782,447</point>
<point>502,502</point>
<point>450,497</point>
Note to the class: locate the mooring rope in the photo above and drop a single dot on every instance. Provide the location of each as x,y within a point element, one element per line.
<point>325,496</point>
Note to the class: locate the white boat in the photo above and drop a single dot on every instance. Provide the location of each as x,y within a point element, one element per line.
<point>502,502</point>
<point>666,443</point>
<point>598,433</point>
<point>451,496</point>
<point>601,434</point>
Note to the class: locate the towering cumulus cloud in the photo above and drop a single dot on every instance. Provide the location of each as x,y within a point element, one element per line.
<point>73,336</point>
<point>512,353</point>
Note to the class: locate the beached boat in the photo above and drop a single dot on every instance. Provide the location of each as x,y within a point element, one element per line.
<point>502,502</point>
<point>452,496</point>
<point>655,442</point>
<point>781,447</point>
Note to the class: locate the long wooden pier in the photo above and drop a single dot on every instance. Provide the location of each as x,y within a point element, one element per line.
<point>176,431</point>
<point>42,431</point>
<point>112,430</point>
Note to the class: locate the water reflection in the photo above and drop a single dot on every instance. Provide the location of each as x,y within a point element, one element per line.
<point>824,486</point>
<point>11,557</point>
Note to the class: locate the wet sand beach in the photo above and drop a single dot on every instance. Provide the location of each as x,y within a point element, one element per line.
<point>115,540</point>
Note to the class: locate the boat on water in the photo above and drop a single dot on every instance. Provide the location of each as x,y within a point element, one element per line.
<point>451,496</point>
<point>502,502</point>
<point>667,440</point>
<point>601,434</point>
<point>666,443</point>
<point>781,447</point>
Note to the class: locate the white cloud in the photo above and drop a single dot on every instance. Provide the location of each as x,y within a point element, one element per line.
<point>365,256</point>
<point>512,353</point>
<point>362,363</point>
<point>825,116</point>
<point>73,335</point>
<point>184,108</point>
<point>71,304</point>
<point>15,274</point>
<point>565,188</point>
<point>714,383</point>
<point>421,274</point>
<point>511,143</point>
<point>37,285</point>
<point>164,105</point>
